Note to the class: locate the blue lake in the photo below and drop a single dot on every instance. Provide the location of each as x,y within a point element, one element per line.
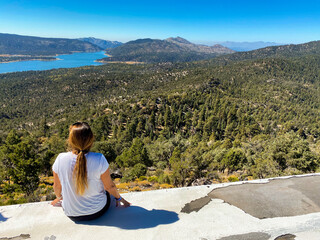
<point>65,61</point>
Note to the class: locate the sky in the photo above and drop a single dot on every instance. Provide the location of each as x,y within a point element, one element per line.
<point>198,21</point>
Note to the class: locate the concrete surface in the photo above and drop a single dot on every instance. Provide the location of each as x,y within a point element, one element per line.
<point>185,213</point>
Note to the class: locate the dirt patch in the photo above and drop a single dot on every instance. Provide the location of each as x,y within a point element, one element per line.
<point>20,237</point>
<point>286,237</point>
<point>196,205</point>
<point>248,236</point>
<point>278,198</point>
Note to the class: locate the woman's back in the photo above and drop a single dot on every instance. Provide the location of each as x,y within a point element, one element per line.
<point>94,197</point>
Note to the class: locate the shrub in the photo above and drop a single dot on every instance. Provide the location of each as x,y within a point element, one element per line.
<point>233,178</point>
<point>123,186</point>
<point>165,186</point>
<point>141,178</point>
<point>161,165</point>
<point>144,183</point>
<point>153,179</point>
<point>234,159</point>
<point>136,189</point>
<point>137,171</point>
<point>164,178</point>
<point>159,172</point>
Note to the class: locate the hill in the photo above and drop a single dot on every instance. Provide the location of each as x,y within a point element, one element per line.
<point>248,46</point>
<point>104,44</point>
<point>217,48</point>
<point>170,50</point>
<point>26,45</point>
<point>283,51</point>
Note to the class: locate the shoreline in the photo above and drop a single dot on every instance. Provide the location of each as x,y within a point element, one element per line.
<point>125,62</point>
<point>24,60</point>
<point>54,57</point>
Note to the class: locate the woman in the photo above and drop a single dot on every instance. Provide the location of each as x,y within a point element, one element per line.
<point>81,178</point>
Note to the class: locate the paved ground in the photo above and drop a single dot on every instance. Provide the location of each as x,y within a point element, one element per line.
<point>282,209</point>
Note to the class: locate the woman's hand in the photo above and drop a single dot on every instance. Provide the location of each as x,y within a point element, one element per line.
<point>124,203</point>
<point>56,202</point>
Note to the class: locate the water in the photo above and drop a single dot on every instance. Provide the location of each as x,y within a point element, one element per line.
<point>67,61</point>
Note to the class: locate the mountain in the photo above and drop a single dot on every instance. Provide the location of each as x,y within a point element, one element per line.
<point>200,48</point>
<point>283,51</point>
<point>104,44</point>
<point>169,50</point>
<point>248,46</point>
<point>27,45</point>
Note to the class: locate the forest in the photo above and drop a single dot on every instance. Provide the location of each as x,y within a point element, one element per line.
<point>164,124</point>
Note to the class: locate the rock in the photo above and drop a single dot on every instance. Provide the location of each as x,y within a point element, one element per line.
<point>116,174</point>
<point>152,168</point>
<point>201,181</point>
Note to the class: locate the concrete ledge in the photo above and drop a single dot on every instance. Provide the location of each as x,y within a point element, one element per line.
<point>157,215</point>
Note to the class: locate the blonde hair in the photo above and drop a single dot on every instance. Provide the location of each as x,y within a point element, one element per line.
<point>80,141</point>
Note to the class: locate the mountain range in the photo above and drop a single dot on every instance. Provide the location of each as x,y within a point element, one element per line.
<point>283,51</point>
<point>147,50</point>
<point>188,46</point>
<point>168,50</point>
<point>247,46</point>
<point>104,44</point>
<point>28,45</point>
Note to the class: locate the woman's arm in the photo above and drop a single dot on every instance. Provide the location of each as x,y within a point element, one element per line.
<point>57,188</point>
<point>111,188</point>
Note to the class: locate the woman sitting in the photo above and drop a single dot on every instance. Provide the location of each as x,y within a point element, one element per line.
<point>82,178</point>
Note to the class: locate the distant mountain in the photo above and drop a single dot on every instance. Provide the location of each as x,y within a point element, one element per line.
<point>104,44</point>
<point>27,45</point>
<point>219,49</point>
<point>169,50</point>
<point>248,46</point>
<point>285,51</point>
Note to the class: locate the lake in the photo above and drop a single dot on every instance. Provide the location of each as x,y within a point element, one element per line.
<point>65,61</point>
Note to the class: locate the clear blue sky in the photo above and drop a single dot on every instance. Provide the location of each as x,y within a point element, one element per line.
<point>198,21</point>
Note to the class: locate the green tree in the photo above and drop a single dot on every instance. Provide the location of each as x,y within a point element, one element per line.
<point>22,161</point>
<point>234,159</point>
<point>180,168</point>
<point>137,153</point>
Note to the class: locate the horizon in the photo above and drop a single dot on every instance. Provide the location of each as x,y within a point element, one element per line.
<point>201,43</point>
<point>205,22</point>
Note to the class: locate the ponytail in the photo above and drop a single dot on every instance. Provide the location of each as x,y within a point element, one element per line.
<point>80,141</point>
<point>80,173</point>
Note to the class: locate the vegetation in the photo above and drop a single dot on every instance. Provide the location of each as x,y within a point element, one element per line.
<point>170,50</point>
<point>282,51</point>
<point>26,45</point>
<point>165,124</point>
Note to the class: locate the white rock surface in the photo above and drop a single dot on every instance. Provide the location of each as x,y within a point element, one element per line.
<point>154,215</point>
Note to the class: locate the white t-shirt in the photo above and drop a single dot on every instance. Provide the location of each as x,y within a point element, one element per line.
<point>94,197</point>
